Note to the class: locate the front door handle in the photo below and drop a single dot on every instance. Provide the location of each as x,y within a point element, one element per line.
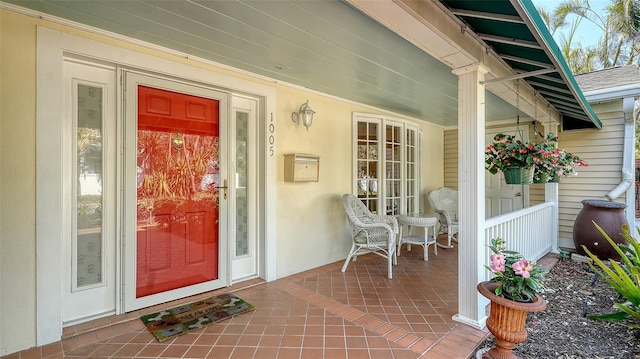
<point>225,188</point>
<point>519,194</point>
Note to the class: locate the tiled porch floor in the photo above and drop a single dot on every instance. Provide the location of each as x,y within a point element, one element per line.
<point>321,313</point>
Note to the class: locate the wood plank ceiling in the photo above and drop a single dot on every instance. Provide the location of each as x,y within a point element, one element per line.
<point>326,46</point>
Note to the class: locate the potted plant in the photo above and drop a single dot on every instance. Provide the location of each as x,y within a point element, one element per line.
<point>513,157</point>
<point>513,292</point>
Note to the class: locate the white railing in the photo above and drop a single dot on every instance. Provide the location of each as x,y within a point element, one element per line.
<point>530,231</point>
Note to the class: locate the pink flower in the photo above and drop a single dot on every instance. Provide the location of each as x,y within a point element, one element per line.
<point>522,267</point>
<point>497,266</point>
<point>497,262</point>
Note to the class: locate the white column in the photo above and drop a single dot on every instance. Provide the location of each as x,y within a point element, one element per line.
<point>471,194</point>
<point>551,193</point>
<point>628,160</point>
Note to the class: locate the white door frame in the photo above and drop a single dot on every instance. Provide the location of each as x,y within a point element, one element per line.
<point>52,47</point>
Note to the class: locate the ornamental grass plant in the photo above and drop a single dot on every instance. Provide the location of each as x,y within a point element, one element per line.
<point>624,277</point>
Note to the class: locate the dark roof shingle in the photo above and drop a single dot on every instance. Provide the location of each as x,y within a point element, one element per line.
<point>608,78</point>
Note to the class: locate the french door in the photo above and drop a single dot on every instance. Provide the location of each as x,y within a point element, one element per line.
<point>176,190</point>
<point>387,164</point>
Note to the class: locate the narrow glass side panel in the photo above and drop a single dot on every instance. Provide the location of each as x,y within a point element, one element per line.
<point>242,214</point>
<point>89,194</point>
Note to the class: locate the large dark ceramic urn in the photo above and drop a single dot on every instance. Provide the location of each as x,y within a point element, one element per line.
<point>610,217</point>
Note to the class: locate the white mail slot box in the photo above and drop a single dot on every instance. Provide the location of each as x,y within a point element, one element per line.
<point>301,168</point>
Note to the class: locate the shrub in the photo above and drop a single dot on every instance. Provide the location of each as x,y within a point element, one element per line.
<point>624,277</point>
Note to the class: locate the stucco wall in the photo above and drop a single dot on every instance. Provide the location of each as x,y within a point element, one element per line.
<point>310,221</point>
<point>17,183</point>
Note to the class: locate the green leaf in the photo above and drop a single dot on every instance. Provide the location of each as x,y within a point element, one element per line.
<point>610,317</point>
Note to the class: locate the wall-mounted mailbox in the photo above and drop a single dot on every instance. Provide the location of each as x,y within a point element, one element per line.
<point>301,167</point>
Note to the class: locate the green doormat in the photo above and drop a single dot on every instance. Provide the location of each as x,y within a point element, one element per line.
<point>185,318</point>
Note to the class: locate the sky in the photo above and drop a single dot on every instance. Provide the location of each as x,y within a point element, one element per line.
<point>587,33</point>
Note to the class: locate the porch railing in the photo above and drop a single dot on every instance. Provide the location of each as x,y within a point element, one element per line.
<point>532,231</point>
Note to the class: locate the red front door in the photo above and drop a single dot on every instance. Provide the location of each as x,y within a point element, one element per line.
<point>177,194</point>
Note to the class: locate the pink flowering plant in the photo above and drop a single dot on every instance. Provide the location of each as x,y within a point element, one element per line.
<point>519,279</point>
<point>554,161</point>
<point>544,156</point>
<point>507,151</point>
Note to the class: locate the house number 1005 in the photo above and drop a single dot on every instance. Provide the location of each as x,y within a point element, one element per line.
<point>272,137</point>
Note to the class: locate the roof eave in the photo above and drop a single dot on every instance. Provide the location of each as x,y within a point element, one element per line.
<point>613,93</point>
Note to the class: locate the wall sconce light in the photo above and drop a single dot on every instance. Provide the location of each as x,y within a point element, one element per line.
<point>305,113</point>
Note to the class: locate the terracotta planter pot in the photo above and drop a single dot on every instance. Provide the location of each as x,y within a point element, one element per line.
<point>507,320</point>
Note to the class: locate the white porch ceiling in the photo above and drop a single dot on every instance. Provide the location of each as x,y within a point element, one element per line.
<point>326,46</point>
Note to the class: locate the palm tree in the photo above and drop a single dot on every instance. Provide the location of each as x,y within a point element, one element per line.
<point>620,26</point>
<point>624,21</point>
<point>580,59</point>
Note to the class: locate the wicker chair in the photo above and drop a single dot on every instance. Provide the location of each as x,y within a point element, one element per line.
<point>370,233</point>
<point>444,201</point>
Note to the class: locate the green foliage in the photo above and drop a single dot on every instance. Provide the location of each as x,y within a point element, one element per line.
<point>518,278</point>
<point>624,277</point>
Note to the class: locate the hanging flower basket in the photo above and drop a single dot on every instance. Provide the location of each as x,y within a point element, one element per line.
<point>513,157</point>
<point>518,175</point>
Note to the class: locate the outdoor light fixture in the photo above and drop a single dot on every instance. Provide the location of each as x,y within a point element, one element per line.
<point>305,113</point>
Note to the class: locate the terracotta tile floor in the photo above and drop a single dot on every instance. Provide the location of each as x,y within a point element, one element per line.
<point>321,313</point>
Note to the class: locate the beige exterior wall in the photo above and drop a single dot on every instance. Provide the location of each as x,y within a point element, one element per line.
<point>451,159</point>
<point>602,150</point>
<point>311,228</point>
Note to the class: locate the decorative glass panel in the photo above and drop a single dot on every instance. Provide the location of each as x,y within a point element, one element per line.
<point>89,196</point>
<point>242,215</point>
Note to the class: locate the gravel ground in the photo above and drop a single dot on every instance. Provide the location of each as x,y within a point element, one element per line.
<point>563,332</point>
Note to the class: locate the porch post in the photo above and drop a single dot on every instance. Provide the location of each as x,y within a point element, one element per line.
<point>471,197</point>
<point>551,194</point>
